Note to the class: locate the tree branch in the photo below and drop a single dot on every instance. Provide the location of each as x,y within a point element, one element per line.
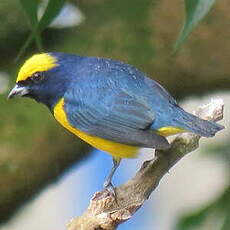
<point>106,213</point>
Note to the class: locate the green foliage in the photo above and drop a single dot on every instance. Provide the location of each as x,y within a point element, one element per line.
<point>31,8</point>
<point>194,219</point>
<point>217,212</point>
<point>195,10</point>
<point>52,10</point>
<point>37,26</point>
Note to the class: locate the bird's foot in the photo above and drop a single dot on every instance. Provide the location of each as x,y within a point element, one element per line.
<point>108,186</point>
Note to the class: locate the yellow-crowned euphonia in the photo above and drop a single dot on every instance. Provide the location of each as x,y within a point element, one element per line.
<point>109,104</point>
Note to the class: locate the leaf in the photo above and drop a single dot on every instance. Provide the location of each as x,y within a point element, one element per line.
<point>31,7</point>
<point>193,220</point>
<point>226,223</point>
<point>52,10</point>
<point>196,218</point>
<point>195,10</point>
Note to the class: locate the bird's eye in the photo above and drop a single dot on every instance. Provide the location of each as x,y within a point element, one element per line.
<point>37,77</point>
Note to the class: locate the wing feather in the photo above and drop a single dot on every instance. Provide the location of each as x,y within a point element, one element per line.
<point>117,116</point>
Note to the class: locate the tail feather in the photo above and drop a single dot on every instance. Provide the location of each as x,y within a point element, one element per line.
<point>196,125</point>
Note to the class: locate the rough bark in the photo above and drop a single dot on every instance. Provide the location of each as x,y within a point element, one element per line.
<point>106,213</point>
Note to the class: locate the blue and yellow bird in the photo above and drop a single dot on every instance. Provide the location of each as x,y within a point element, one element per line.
<point>109,104</point>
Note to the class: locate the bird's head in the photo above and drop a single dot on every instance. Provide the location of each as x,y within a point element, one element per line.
<point>42,77</point>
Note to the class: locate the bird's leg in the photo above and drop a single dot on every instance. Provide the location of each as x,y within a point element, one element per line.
<point>108,184</point>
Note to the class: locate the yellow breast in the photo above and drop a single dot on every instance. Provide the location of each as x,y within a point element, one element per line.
<point>115,149</point>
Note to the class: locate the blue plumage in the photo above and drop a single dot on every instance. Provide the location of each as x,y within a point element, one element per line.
<point>114,100</point>
<point>111,100</point>
<point>109,104</point>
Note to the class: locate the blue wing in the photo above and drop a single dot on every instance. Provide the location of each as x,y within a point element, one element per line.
<point>104,109</point>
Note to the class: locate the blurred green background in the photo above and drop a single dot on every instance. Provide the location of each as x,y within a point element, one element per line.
<point>34,150</point>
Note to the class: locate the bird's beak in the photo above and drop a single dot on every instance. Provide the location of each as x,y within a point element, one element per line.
<point>18,90</point>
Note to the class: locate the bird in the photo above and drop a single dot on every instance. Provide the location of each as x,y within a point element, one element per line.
<point>109,104</point>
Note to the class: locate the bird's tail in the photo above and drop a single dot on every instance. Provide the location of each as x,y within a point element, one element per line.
<point>196,125</point>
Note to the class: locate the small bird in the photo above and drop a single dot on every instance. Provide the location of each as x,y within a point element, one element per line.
<point>109,104</point>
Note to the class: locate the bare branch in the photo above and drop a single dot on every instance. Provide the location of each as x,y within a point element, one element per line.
<point>106,213</point>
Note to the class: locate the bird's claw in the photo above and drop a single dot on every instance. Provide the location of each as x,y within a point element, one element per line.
<point>108,186</point>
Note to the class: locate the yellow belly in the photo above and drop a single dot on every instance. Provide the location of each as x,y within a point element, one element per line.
<point>113,148</point>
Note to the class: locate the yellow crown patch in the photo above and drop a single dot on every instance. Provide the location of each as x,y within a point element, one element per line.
<point>37,63</point>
